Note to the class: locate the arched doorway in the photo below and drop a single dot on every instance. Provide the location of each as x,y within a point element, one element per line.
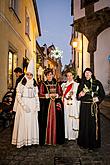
<point>101,62</point>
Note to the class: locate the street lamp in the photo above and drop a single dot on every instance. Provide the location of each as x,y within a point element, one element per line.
<point>74,42</point>
<point>77,44</point>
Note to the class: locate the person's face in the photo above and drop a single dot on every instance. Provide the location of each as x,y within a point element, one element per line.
<point>69,76</point>
<point>29,75</point>
<point>17,74</point>
<point>49,76</point>
<point>88,75</point>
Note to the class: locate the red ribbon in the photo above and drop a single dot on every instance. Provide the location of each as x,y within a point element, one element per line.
<point>67,90</point>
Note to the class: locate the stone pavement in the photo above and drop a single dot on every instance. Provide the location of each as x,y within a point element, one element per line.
<point>66,154</point>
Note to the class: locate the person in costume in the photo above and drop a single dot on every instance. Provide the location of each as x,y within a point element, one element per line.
<point>26,106</point>
<point>71,107</point>
<point>91,93</point>
<point>51,116</point>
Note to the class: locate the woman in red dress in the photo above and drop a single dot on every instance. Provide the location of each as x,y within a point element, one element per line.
<point>51,115</point>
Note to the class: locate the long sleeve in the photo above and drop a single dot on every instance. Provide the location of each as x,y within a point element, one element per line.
<point>79,89</point>
<point>59,90</point>
<point>37,99</point>
<point>42,91</point>
<point>101,92</point>
<point>19,93</point>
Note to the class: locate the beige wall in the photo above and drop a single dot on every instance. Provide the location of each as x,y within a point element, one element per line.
<point>78,12</point>
<point>12,34</point>
<point>101,4</point>
<point>86,55</point>
<point>86,60</point>
<point>102,65</point>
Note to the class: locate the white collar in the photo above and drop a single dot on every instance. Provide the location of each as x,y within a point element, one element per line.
<point>69,82</point>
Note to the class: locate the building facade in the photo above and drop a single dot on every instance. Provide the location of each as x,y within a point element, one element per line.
<point>19,28</point>
<point>91,28</point>
<point>51,62</point>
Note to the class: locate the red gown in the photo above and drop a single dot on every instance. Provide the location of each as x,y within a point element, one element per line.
<point>51,115</point>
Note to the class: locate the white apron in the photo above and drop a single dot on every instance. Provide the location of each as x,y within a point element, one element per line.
<point>71,112</point>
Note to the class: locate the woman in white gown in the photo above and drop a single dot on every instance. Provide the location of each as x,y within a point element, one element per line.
<point>26,129</point>
<point>71,107</point>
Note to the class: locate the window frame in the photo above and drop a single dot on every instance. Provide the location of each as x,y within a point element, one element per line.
<point>27,24</point>
<point>13,79</point>
<point>14,7</point>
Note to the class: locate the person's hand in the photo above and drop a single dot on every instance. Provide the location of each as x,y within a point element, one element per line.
<point>81,94</point>
<point>26,109</point>
<point>36,109</point>
<point>53,95</point>
<point>95,99</point>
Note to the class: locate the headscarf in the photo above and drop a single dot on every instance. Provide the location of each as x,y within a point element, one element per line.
<point>90,70</point>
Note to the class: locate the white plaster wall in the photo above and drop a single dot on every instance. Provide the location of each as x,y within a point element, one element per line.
<point>86,55</point>
<point>78,12</point>
<point>102,65</point>
<point>101,4</point>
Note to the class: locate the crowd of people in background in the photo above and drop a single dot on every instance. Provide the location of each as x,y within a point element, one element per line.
<point>52,112</point>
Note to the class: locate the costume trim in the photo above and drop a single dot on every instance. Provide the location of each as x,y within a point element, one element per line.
<point>51,124</point>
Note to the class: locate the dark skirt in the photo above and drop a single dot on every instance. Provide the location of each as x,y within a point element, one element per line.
<point>89,126</point>
<point>43,117</point>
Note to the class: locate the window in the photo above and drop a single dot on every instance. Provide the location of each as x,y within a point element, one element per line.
<point>12,64</point>
<point>85,3</point>
<point>14,6</point>
<point>27,24</point>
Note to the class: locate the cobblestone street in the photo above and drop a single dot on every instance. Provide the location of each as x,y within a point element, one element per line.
<point>67,154</point>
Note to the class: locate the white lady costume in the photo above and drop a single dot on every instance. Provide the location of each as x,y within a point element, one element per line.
<point>71,110</point>
<point>26,130</point>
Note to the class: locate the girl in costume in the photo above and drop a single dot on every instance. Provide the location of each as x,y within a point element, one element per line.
<point>26,129</point>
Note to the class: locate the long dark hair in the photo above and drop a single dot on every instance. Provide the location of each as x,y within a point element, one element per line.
<point>24,81</point>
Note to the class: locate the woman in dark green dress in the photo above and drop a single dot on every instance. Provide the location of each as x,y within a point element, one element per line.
<point>51,115</point>
<point>91,93</point>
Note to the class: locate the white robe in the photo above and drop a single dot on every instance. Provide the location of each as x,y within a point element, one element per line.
<point>71,112</point>
<point>26,129</point>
